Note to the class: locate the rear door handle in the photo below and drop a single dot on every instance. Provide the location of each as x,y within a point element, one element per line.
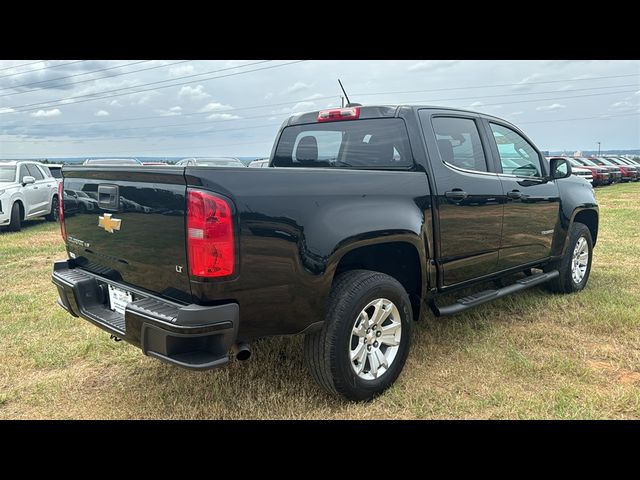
<point>456,194</point>
<point>515,194</point>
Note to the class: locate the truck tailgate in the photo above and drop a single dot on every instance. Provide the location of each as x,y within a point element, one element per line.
<point>128,224</point>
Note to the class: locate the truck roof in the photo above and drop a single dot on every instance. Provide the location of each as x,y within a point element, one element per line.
<point>380,111</point>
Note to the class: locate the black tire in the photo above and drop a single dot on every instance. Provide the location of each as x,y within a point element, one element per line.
<point>565,282</point>
<point>327,350</point>
<point>53,216</point>
<point>16,218</point>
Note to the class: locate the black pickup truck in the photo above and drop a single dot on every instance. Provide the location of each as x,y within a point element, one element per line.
<point>364,218</point>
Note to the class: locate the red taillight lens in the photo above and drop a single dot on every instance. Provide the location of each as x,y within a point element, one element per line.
<point>210,241</point>
<point>336,114</point>
<point>63,230</point>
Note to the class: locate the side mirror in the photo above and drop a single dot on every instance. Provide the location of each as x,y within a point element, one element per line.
<point>28,180</point>
<point>560,168</point>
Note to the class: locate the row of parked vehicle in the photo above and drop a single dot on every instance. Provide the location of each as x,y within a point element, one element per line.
<point>605,170</point>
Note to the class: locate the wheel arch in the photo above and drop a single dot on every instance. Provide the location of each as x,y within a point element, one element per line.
<point>400,256</point>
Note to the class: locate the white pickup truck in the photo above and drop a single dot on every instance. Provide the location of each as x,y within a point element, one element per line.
<point>27,190</point>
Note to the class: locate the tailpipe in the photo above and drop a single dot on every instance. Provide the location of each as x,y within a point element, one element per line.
<point>241,351</point>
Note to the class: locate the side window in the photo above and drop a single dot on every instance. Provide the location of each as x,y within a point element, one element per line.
<point>517,156</point>
<point>459,143</point>
<point>34,171</point>
<point>23,172</point>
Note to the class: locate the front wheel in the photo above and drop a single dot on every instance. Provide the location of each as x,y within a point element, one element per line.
<point>365,340</point>
<point>575,265</point>
<point>15,224</point>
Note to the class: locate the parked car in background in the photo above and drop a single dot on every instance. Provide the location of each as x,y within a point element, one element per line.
<point>94,162</point>
<point>628,165</point>
<point>600,175</point>
<point>577,169</point>
<point>27,191</point>
<point>159,164</point>
<point>614,170</point>
<point>627,173</point>
<point>211,162</point>
<point>259,163</point>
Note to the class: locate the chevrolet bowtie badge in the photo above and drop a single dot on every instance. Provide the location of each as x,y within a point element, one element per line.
<point>108,223</point>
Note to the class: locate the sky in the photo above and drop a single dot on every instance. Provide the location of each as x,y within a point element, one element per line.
<point>72,108</point>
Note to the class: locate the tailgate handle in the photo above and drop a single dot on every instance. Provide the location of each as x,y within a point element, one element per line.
<point>108,197</point>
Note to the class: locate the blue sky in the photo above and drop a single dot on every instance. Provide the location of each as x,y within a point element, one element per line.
<point>129,107</point>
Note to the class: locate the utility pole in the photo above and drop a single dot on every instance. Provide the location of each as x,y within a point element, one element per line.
<point>598,148</point>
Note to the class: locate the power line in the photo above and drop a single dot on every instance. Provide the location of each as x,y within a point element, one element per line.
<point>64,101</point>
<point>298,101</point>
<point>20,65</point>
<point>68,76</point>
<point>43,68</point>
<point>94,79</point>
<point>379,93</point>
<point>498,85</point>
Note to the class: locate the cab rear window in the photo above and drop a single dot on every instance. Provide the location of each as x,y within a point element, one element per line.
<point>381,143</point>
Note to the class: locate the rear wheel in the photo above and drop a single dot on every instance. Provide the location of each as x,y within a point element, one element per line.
<point>575,265</point>
<point>16,218</point>
<point>364,342</point>
<point>55,212</point>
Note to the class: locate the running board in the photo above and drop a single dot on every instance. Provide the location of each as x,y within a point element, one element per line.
<point>476,299</point>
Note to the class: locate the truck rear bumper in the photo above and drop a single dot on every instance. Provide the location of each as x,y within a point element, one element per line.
<point>190,336</point>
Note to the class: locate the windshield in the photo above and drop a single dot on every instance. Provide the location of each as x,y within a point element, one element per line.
<point>586,161</point>
<point>606,162</point>
<point>7,174</point>
<point>372,143</point>
<point>83,195</point>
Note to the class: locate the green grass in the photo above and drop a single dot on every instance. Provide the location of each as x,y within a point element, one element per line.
<point>530,355</point>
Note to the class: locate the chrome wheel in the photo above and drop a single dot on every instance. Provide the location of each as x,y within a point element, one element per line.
<point>580,260</point>
<point>375,339</point>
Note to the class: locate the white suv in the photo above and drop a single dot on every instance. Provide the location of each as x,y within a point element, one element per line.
<point>27,190</point>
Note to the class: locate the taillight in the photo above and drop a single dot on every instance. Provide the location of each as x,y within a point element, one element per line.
<point>351,113</point>
<point>210,241</point>
<point>63,230</point>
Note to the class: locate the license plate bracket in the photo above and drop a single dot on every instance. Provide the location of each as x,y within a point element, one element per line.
<point>118,299</point>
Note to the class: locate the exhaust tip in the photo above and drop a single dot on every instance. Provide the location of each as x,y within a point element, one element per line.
<point>242,351</point>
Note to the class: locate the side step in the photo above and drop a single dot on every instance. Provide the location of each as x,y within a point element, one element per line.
<point>476,299</point>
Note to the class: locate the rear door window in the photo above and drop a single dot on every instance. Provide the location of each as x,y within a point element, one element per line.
<point>373,143</point>
<point>459,143</point>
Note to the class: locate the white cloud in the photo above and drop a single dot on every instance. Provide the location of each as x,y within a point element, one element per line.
<point>516,113</point>
<point>214,107</point>
<point>527,79</point>
<point>554,106</point>
<point>637,93</point>
<point>268,96</point>
<point>101,113</point>
<point>181,70</point>
<point>6,110</point>
<point>222,116</point>
<point>193,93</point>
<point>54,112</point>
<point>621,104</point>
<point>476,104</point>
<point>177,110</point>
<point>431,65</point>
<point>565,87</point>
<point>296,87</point>
<point>314,96</point>
<point>115,103</point>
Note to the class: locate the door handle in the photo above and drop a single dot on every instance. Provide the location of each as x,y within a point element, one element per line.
<point>456,194</point>
<point>35,188</point>
<point>515,194</point>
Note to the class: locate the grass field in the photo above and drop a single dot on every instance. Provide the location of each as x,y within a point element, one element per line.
<point>531,355</point>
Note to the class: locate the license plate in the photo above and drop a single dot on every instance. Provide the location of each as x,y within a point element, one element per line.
<point>118,299</point>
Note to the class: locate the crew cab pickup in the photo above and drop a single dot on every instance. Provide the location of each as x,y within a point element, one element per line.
<point>364,218</point>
